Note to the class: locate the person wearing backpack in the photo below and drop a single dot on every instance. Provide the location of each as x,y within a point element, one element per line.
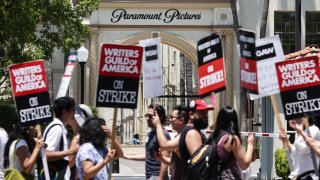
<point>55,136</point>
<point>230,152</point>
<point>191,138</point>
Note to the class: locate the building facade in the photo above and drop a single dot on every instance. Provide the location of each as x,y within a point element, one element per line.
<point>180,24</point>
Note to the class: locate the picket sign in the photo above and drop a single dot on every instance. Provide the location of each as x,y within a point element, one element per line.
<point>268,52</point>
<point>211,70</point>
<point>152,69</point>
<point>288,90</point>
<point>118,80</point>
<point>30,90</point>
<point>123,84</point>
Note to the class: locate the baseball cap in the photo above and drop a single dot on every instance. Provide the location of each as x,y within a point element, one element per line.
<point>199,104</point>
<point>82,113</point>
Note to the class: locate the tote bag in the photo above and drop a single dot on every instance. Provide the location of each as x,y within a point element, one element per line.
<point>13,173</point>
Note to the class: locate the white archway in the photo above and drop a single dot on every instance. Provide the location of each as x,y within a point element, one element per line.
<point>185,46</point>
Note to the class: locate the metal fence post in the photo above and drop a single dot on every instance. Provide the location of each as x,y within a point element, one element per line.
<point>267,143</point>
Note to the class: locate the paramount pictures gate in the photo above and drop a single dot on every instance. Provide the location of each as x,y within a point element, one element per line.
<point>179,24</point>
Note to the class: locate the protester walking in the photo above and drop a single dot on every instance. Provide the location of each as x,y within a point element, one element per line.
<point>3,141</point>
<point>191,138</point>
<point>178,119</point>
<point>229,146</point>
<point>310,141</point>
<point>93,155</point>
<point>155,167</point>
<point>55,136</point>
<point>82,113</point>
<point>298,153</point>
<point>22,149</point>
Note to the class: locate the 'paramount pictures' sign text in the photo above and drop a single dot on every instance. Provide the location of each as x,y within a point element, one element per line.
<point>167,16</point>
<point>159,16</point>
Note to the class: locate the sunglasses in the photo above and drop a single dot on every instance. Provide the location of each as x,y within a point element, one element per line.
<point>172,118</point>
<point>148,116</point>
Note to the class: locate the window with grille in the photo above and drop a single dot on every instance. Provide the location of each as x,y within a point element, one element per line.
<point>312,28</point>
<point>284,25</point>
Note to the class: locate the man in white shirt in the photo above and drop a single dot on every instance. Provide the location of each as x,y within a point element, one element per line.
<point>3,141</point>
<point>55,136</point>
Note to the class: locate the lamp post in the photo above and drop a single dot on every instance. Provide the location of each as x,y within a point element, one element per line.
<point>82,58</point>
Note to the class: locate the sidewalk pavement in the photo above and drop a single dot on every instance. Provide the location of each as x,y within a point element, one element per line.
<point>137,168</point>
<point>133,149</point>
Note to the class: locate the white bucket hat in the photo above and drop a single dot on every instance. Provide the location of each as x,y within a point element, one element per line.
<point>82,113</point>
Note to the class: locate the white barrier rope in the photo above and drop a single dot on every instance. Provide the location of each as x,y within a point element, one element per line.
<point>257,134</point>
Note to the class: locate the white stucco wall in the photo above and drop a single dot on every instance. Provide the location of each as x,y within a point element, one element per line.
<point>58,69</point>
<point>250,14</point>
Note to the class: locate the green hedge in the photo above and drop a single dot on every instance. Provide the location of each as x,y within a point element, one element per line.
<point>8,115</point>
<point>281,164</point>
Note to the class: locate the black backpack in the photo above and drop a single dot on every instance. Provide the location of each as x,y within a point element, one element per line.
<point>204,164</point>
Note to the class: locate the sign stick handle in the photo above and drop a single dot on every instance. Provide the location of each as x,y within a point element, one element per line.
<point>114,126</point>
<point>313,155</point>
<point>249,112</point>
<point>45,164</point>
<point>43,155</point>
<point>113,139</point>
<point>214,113</point>
<point>276,111</point>
<point>214,116</point>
